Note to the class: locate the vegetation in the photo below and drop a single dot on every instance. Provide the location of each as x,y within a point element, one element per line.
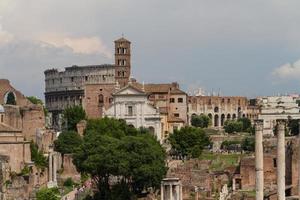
<point>69,182</point>
<point>11,99</point>
<point>67,142</point>
<point>241,125</point>
<point>35,100</point>
<point>189,141</point>
<point>221,161</point>
<point>37,156</point>
<point>201,121</point>
<point>248,144</point>
<point>48,194</point>
<point>293,126</point>
<point>230,144</point>
<point>112,148</point>
<point>72,116</point>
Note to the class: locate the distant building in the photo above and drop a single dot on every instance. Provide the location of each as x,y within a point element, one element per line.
<point>277,107</point>
<point>66,88</point>
<point>218,108</point>
<point>132,105</point>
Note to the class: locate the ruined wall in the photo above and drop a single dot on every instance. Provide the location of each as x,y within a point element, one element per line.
<point>69,169</point>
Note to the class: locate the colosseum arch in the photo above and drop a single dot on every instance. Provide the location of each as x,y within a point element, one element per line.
<point>234,117</point>
<point>216,109</point>
<point>228,116</point>
<point>222,119</point>
<point>151,130</point>
<point>216,119</point>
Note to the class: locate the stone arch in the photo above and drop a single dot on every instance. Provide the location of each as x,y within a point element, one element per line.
<point>151,130</point>
<point>101,99</point>
<point>222,119</point>
<point>10,98</point>
<point>228,116</point>
<point>216,109</point>
<point>244,115</point>
<point>234,117</point>
<point>216,120</point>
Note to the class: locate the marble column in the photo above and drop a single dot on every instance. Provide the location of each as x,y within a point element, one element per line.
<point>50,167</point>
<point>259,160</point>
<point>162,192</point>
<point>54,167</point>
<point>171,192</point>
<point>280,160</point>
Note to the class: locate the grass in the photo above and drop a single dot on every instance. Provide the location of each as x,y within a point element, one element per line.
<point>221,161</point>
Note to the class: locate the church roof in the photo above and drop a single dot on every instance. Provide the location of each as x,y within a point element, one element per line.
<point>140,91</point>
<point>159,88</point>
<point>122,39</point>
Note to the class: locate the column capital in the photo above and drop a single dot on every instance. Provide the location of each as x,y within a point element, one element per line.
<point>281,124</point>
<point>258,123</point>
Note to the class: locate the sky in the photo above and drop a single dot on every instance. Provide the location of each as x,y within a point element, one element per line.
<point>233,47</point>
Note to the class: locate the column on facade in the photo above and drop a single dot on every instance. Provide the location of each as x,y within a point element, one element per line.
<point>219,118</point>
<point>259,160</point>
<point>171,192</point>
<point>54,167</point>
<point>280,160</point>
<point>161,192</point>
<point>50,167</point>
<point>233,184</point>
<point>177,192</point>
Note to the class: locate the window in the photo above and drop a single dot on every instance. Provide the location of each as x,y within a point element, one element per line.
<point>60,80</point>
<point>274,162</point>
<point>223,100</point>
<point>130,110</point>
<point>72,79</point>
<point>228,100</point>
<point>101,99</point>
<point>2,118</point>
<point>86,78</point>
<point>176,114</point>
<point>180,100</point>
<point>172,100</point>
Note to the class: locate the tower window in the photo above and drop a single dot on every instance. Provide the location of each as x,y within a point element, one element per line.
<point>172,100</point>
<point>72,79</point>
<point>180,100</point>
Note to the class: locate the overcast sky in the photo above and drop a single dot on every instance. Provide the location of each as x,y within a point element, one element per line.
<point>245,48</point>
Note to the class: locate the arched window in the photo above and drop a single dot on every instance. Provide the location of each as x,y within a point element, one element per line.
<point>100,99</point>
<point>216,109</point>
<point>10,98</point>
<point>151,129</point>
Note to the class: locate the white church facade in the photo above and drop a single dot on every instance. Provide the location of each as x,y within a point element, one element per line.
<point>132,105</point>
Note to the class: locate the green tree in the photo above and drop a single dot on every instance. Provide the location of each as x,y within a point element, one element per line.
<point>35,100</point>
<point>293,126</point>
<point>231,126</point>
<point>189,141</point>
<point>67,142</point>
<point>246,124</point>
<point>111,148</point>
<point>201,121</point>
<point>38,157</point>
<point>73,115</point>
<point>48,194</point>
<point>248,144</point>
<point>11,99</point>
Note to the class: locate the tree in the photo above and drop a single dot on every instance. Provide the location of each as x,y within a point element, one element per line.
<point>248,144</point>
<point>35,100</point>
<point>189,141</point>
<point>48,194</point>
<point>67,142</point>
<point>72,116</point>
<point>201,121</point>
<point>11,99</point>
<point>246,124</point>
<point>38,157</point>
<point>231,126</point>
<point>293,126</point>
<point>111,148</point>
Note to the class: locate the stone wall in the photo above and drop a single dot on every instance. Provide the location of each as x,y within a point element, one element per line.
<point>69,169</point>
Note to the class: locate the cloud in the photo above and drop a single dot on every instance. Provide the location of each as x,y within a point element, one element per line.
<point>80,45</point>
<point>287,71</point>
<point>5,37</point>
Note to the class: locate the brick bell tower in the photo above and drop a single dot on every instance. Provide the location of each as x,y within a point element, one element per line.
<point>122,61</point>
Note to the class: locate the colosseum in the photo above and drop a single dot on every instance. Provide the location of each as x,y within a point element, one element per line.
<point>66,88</point>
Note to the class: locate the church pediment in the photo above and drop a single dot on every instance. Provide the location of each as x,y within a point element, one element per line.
<point>129,90</point>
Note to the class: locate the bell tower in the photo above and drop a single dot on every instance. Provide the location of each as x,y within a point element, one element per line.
<point>122,61</point>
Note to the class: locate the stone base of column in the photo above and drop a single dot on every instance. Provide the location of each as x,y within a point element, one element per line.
<point>52,184</point>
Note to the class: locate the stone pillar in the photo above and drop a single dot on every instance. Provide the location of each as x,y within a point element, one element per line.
<point>280,160</point>
<point>171,192</point>
<point>177,192</point>
<point>162,192</point>
<point>259,160</point>
<point>233,184</point>
<point>54,167</point>
<point>50,167</point>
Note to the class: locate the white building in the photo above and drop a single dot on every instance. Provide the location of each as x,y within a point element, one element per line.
<point>131,104</point>
<point>277,107</point>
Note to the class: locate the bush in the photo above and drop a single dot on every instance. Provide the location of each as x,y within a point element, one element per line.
<point>201,121</point>
<point>69,182</point>
<point>248,144</point>
<point>231,126</point>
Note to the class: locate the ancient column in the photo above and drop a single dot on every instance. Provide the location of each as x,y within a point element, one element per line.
<point>54,167</point>
<point>259,160</point>
<point>161,191</point>
<point>171,192</point>
<point>280,160</point>
<point>177,192</point>
<point>50,167</point>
